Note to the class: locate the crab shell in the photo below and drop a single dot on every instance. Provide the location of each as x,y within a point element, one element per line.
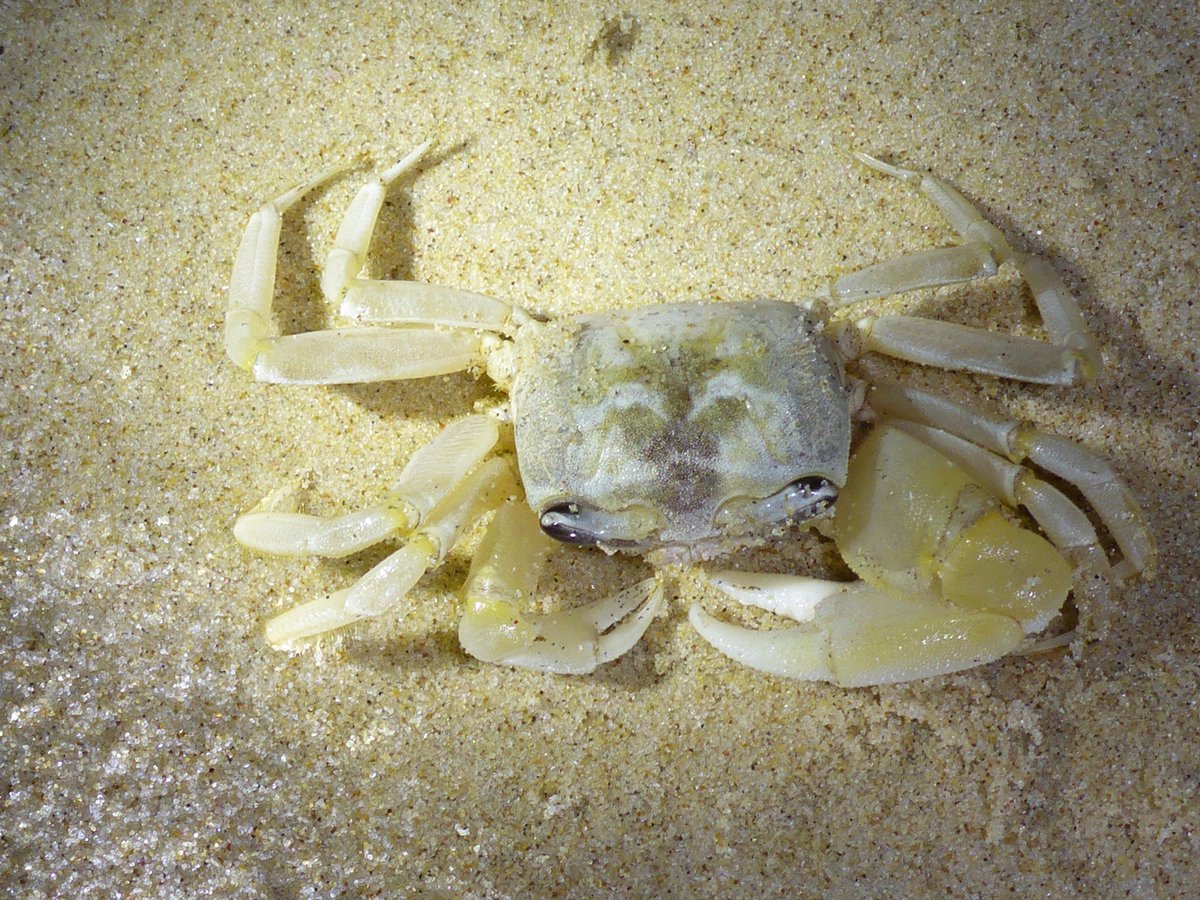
<point>687,429</point>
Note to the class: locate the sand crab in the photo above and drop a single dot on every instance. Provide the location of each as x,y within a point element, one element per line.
<point>686,431</point>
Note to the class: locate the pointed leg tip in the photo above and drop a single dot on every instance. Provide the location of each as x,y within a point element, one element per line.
<point>411,159</point>
<point>622,638</point>
<point>699,617</point>
<point>793,596</point>
<point>801,653</point>
<point>308,620</point>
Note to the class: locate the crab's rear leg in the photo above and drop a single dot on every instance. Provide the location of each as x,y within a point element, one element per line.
<point>503,577</point>
<point>1069,355</point>
<point>398,302</point>
<point>448,339</point>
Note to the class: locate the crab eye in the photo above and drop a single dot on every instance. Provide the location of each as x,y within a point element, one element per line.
<point>804,498</point>
<point>573,523</point>
<point>563,523</point>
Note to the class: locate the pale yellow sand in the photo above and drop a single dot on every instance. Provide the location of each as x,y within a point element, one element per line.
<point>151,744</point>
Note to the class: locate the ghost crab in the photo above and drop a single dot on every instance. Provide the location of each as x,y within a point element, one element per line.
<point>686,431</point>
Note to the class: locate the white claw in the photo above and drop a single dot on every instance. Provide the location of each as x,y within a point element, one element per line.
<point>801,652</point>
<point>620,639</point>
<point>785,595</point>
<point>861,636</point>
<point>573,642</point>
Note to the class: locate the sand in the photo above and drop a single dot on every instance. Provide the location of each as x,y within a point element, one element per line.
<point>607,156</point>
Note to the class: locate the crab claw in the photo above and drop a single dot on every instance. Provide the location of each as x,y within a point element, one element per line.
<point>853,634</point>
<point>573,642</point>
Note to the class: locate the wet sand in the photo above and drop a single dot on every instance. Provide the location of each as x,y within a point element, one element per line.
<point>154,745</point>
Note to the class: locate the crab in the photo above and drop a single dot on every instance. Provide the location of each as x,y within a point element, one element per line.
<point>684,432</point>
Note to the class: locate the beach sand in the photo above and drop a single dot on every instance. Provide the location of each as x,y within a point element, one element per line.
<point>607,156</point>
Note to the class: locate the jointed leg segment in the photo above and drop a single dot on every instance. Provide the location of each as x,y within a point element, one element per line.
<point>1069,355</point>
<point>447,322</point>
<point>247,320</point>
<point>429,476</point>
<point>991,448</point>
<point>446,485</point>
<point>443,487</point>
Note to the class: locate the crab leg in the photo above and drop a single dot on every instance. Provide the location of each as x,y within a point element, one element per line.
<point>431,473</point>
<point>576,641</point>
<point>1017,442</point>
<point>948,345</point>
<point>410,302</point>
<point>353,238</point>
<point>253,281</point>
<point>441,489</point>
<point>356,354</point>
<point>913,271</point>
<point>1071,353</point>
<point>385,585</point>
<point>1062,521</point>
<point>364,355</point>
<point>417,303</point>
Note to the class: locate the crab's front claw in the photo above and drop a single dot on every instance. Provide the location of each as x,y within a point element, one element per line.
<point>505,570</point>
<point>573,642</point>
<point>853,634</point>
